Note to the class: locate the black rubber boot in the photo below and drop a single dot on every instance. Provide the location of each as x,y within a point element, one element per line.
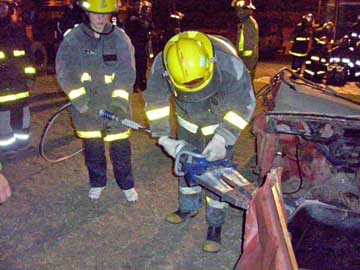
<point>213,240</point>
<point>179,216</point>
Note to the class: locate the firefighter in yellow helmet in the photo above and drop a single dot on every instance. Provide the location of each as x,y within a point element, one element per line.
<point>17,76</point>
<point>247,42</point>
<point>214,102</point>
<point>95,67</point>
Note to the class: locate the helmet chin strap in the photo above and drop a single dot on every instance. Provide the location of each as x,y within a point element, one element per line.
<point>101,33</point>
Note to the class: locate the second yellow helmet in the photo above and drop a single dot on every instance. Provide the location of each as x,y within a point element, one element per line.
<point>189,60</point>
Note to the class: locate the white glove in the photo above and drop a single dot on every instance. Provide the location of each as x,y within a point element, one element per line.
<point>171,146</point>
<point>215,149</point>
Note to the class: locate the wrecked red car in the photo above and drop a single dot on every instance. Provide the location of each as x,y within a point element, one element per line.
<point>306,213</point>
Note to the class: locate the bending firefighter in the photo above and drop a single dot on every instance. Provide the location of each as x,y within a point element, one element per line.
<point>95,67</point>
<point>214,102</point>
<point>17,76</point>
<point>247,34</point>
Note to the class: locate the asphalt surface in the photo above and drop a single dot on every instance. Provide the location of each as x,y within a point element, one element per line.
<point>49,222</point>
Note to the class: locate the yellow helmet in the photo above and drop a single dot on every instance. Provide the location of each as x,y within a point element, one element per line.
<point>189,60</point>
<point>100,6</point>
<point>243,4</point>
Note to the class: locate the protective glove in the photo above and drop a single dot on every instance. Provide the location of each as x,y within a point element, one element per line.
<point>215,150</point>
<point>171,146</point>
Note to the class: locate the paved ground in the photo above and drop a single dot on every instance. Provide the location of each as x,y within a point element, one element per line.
<point>49,223</point>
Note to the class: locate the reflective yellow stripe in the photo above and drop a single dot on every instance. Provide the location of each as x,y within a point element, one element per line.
<point>85,77</point>
<point>30,70</point>
<point>315,58</point>
<point>302,38</point>
<point>88,134</point>
<point>208,130</point>
<point>247,53</point>
<point>13,97</point>
<point>309,72</point>
<point>109,78</point>
<point>2,55</point>
<point>241,39</point>
<point>119,136</point>
<point>297,54</point>
<point>121,93</point>
<point>158,113</point>
<point>187,125</point>
<point>235,120</point>
<point>75,93</point>
<point>18,53</point>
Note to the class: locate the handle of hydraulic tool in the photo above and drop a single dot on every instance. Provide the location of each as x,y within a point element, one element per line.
<point>126,122</point>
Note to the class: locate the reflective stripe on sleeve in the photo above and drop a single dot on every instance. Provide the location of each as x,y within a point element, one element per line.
<point>121,93</point>
<point>309,72</point>
<point>235,120</point>
<point>187,125</point>
<point>30,70</point>
<point>18,53</point>
<point>13,97</point>
<point>193,128</point>
<point>315,58</point>
<point>2,55</point>
<point>208,130</point>
<point>156,114</point>
<point>75,93</point>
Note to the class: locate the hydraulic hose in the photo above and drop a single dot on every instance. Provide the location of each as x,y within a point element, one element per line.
<point>45,134</point>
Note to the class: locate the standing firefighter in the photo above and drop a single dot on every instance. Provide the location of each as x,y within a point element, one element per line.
<point>139,26</point>
<point>17,77</point>
<point>318,57</point>
<point>300,42</point>
<point>95,68</point>
<point>247,34</point>
<point>214,102</point>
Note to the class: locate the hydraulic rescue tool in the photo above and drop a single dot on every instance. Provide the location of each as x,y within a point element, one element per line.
<point>220,177</point>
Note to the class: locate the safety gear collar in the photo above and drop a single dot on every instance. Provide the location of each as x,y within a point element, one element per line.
<point>100,6</point>
<point>189,57</point>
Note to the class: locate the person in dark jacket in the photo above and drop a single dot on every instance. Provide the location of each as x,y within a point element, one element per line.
<point>138,26</point>
<point>318,57</point>
<point>95,67</point>
<point>72,16</point>
<point>340,63</point>
<point>300,42</point>
<point>17,76</point>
